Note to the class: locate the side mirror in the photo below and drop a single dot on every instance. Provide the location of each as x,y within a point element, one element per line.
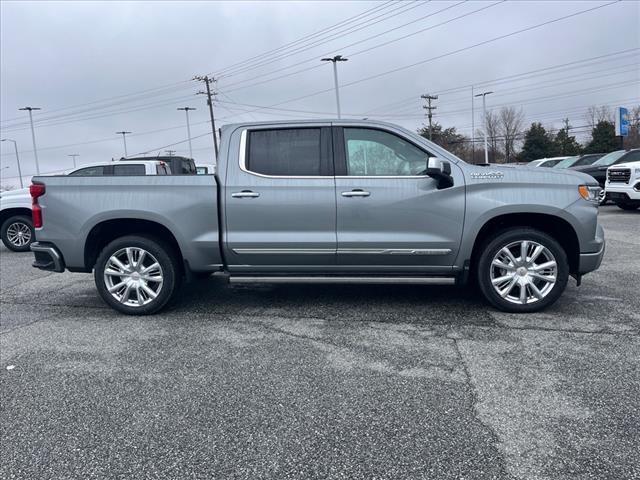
<point>440,171</point>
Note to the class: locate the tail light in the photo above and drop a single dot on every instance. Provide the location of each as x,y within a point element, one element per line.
<point>36,190</point>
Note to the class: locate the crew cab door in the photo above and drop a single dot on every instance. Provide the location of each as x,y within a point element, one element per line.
<point>390,216</point>
<point>280,206</point>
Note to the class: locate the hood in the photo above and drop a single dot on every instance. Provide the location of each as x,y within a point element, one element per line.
<point>497,173</point>
<point>627,165</point>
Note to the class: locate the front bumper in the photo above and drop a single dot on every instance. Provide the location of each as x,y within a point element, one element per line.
<point>591,261</point>
<point>47,257</point>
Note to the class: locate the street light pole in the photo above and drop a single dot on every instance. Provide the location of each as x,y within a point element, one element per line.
<point>124,140</point>
<point>335,60</point>
<point>186,111</point>
<point>484,114</point>
<point>74,155</point>
<point>33,135</point>
<point>15,147</point>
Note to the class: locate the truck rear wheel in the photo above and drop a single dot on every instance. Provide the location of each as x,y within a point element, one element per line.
<point>522,270</point>
<point>136,275</point>
<point>17,233</point>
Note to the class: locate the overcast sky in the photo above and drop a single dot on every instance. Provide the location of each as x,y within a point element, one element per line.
<point>100,67</point>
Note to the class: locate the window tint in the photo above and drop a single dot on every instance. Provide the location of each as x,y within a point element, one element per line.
<point>129,169</point>
<point>609,158</point>
<point>88,172</point>
<point>632,157</point>
<point>187,167</point>
<point>377,153</point>
<point>285,152</point>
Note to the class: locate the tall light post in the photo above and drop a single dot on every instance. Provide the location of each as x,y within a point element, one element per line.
<point>484,114</point>
<point>335,60</point>
<point>186,111</point>
<point>15,147</point>
<point>124,141</point>
<point>74,155</point>
<point>33,135</point>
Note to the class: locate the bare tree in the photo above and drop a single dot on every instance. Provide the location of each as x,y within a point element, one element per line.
<point>511,122</point>
<point>492,121</point>
<point>595,114</point>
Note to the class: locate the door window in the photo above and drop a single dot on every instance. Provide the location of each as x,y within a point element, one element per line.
<point>137,169</point>
<point>88,172</point>
<point>295,152</point>
<point>372,153</point>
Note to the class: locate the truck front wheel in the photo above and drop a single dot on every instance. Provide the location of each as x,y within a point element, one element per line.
<point>136,275</point>
<point>522,270</point>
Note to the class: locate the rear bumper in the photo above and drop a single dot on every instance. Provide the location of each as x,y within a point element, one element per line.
<point>47,257</point>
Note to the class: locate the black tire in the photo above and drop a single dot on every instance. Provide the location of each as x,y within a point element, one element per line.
<point>165,257</point>
<point>17,221</point>
<point>510,236</point>
<point>628,206</point>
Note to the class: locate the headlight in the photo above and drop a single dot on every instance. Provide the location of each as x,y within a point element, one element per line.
<point>637,172</point>
<point>591,193</point>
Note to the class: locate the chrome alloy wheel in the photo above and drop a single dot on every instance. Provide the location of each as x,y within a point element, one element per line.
<point>133,276</point>
<point>19,234</point>
<point>524,272</point>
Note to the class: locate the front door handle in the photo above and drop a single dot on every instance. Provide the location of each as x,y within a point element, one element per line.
<point>245,194</point>
<point>356,192</point>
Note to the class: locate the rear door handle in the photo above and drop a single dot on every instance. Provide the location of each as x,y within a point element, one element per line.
<point>356,193</point>
<point>245,194</point>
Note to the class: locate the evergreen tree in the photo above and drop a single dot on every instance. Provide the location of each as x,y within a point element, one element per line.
<point>537,144</point>
<point>603,139</point>
<point>565,144</point>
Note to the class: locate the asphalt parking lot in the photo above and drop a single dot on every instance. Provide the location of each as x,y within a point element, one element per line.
<point>322,381</point>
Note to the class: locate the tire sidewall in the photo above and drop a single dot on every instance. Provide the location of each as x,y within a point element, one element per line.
<point>163,255</point>
<point>492,247</point>
<point>17,219</point>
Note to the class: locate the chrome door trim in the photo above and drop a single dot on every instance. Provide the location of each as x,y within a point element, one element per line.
<point>285,251</point>
<point>246,194</point>
<point>395,251</point>
<point>356,193</point>
<point>243,165</point>
<point>346,177</point>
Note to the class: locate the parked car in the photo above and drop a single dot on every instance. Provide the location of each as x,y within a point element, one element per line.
<point>546,162</point>
<point>335,202</point>
<point>178,165</point>
<point>16,227</point>
<point>598,170</point>
<point>205,169</point>
<point>623,185</point>
<point>133,167</point>
<point>579,160</point>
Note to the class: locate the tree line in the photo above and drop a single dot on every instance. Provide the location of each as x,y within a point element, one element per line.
<point>508,140</point>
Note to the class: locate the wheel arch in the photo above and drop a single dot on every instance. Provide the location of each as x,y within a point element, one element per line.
<point>12,211</point>
<point>106,231</point>
<point>558,228</point>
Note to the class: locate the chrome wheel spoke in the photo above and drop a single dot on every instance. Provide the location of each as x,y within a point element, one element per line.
<point>544,266</point>
<point>536,253</point>
<point>504,292</point>
<point>126,293</point>
<point>523,294</point>
<point>544,278</point>
<point>536,292</point>
<point>151,294</point>
<point>524,248</point>
<point>505,251</point>
<point>501,264</point>
<point>499,280</point>
<point>150,268</point>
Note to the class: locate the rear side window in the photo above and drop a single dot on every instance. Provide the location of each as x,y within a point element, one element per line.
<point>632,157</point>
<point>187,167</point>
<point>88,172</point>
<point>162,169</point>
<point>294,152</point>
<point>129,169</point>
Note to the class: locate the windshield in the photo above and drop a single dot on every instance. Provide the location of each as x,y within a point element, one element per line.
<point>609,158</point>
<point>566,163</point>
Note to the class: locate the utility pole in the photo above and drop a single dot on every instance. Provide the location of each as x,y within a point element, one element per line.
<point>15,147</point>
<point>207,81</point>
<point>335,60</point>
<point>429,109</point>
<point>473,128</point>
<point>484,114</point>
<point>170,152</point>
<point>74,155</point>
<point>186,111</point>
<point>124,141</point>
<point>33,135</point>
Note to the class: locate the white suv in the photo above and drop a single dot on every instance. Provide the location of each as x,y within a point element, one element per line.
<point>623,185</point>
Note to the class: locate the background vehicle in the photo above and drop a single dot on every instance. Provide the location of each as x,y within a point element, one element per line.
<point>332,201</point>
<point>598,170</point>
<point>205,169</point>
<point>579,160</point>
<point>16,227</point>
<point>147,167</point>
<point>546,162</point>
<point>178,165</point>
<point>623,185</point>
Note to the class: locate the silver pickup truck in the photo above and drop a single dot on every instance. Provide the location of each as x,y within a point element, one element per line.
<point>324,201</point>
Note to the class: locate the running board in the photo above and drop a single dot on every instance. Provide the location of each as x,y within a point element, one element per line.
<point>364,280</point>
